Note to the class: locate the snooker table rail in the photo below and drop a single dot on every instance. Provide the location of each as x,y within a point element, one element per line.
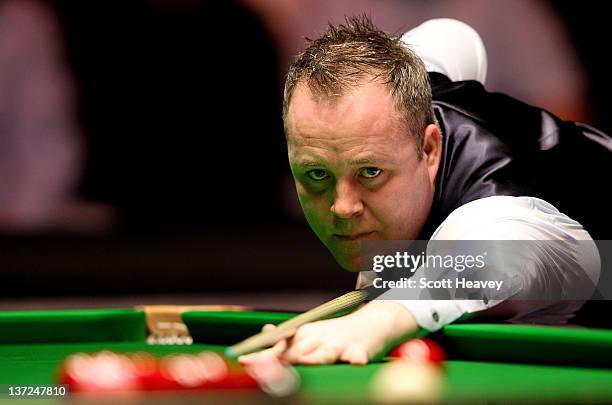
<point>489,342</point>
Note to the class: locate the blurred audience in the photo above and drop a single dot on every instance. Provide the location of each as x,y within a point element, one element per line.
<point>40,141</point>
<point>177,104</point>
<point>180,106</point>
<point>530,54</point>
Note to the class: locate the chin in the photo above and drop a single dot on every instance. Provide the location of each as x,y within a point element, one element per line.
<point>349,264</point>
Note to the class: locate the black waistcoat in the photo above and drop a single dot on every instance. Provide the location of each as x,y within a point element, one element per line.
<point>496,145</point>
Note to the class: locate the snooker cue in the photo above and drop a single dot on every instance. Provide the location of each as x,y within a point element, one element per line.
<point>268,338</point>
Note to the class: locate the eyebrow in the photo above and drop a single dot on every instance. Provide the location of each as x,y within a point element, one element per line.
<point>371,159</point>
<point>308,163</point>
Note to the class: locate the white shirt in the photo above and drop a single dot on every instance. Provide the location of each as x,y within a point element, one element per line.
<point>515,218</point>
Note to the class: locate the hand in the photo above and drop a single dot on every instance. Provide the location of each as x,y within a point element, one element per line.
<point>356,338</point>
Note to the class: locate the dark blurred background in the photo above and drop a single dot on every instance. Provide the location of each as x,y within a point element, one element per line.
<point>142,156</point>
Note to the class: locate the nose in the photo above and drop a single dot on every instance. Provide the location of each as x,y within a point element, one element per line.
<point>347,203</point>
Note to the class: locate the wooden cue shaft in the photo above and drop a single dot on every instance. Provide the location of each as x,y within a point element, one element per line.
<point>268,338</point>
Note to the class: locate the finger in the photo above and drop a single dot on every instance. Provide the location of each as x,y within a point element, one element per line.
<point>285,335</point>
<point>275,351</point>
<point>355,355</point>
<point>326,354</point>
<point>280,347</point>
<point>249,359</point>
<point>300,348</point>
<point>268,327</point>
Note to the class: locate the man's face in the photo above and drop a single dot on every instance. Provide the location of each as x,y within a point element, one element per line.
<point>356,169</point>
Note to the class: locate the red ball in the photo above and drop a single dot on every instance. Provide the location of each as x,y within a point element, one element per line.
<point>419,350</point>
<point>203,371</point>
<point>100,372</point>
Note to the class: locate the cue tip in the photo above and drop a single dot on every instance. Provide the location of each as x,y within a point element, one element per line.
<point>231,353</point>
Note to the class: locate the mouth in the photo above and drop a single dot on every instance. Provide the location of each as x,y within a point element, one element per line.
<point>354,236</point>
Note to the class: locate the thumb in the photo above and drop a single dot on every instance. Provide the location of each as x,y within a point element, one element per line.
<point>268,327</point>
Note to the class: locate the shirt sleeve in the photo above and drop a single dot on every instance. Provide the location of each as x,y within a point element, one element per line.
<point>536,275</point>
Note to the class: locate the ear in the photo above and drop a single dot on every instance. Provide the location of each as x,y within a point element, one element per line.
<point>432,151</point>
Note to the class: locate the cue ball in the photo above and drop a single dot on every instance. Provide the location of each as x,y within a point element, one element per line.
<point>402,382</point>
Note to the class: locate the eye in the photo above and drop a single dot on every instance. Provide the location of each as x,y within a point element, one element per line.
<point>317,174</point>
<point>370,172</point>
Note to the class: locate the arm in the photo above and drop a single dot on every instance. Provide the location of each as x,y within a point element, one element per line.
<point>370,331</point>
<point>552,279</point>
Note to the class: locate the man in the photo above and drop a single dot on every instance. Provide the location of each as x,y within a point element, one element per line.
<point>372,160</point>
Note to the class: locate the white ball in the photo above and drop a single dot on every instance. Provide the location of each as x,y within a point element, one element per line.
<point>403,382</point>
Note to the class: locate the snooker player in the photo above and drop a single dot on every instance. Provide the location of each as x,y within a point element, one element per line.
<point>375,158</point>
